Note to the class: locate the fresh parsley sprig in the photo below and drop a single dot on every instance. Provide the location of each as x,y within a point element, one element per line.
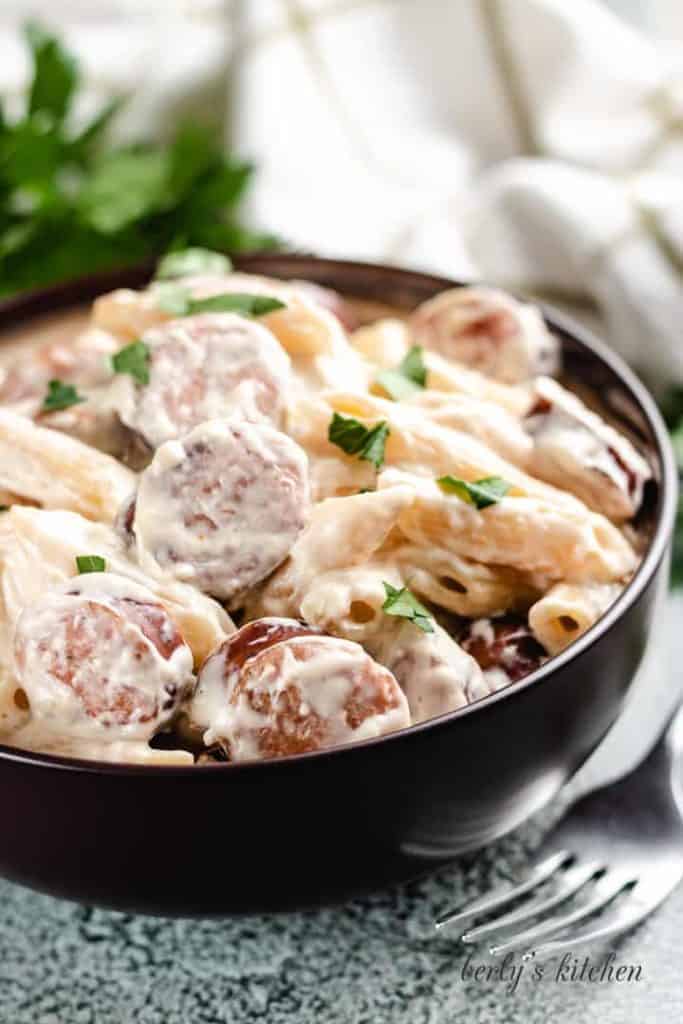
<point>134,360</point>
<point>480,493</point>
<point>90,563</point>
<point>71,203</point>
<point>409,377</point>
<point>355,439</point>
<point>403,603</point>
<point>177,301</point>
<point>60,396</point>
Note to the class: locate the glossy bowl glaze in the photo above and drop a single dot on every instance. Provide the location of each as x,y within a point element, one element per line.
<point>318,828</point>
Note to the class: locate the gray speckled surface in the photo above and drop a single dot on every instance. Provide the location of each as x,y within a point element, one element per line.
<point>371,961</point>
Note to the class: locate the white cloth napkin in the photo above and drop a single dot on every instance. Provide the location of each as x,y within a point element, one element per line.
<point>534,143</point>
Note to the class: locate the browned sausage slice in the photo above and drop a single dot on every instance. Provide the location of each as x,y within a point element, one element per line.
<point>98,656</point>
<point>504,648</point>
<point>222,507</point>
<point>296,694</point>
<point>489,331</point>
<point>201,367</point>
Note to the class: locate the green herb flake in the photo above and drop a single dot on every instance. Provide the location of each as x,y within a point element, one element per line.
<point>405,605</point>
<point>60,396</point>
<point>186,262</point>
<point>172,298</point>
<point>408,378</point>
<point>236,302</point>
<point>134,360</point>
<point>353,438</point>
<point>481,493</point>
<point>90,563</point>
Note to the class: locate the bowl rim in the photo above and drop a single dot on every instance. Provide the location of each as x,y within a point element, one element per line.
<point>46,300</point>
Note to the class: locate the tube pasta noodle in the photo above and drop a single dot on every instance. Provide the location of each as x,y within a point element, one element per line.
<point>486,421</point>
<point>341,533</point>
<point>386,342</point>
<point>568,610</point>
<point>57,471</point>
<point>414,443</point>
<point>520,531</point>
<point>371,594</point>
<point>462,585</point>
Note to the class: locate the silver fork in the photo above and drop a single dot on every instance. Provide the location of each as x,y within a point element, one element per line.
<point>620,847</point>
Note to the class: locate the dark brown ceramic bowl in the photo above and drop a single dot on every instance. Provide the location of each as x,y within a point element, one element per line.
<point>317,828</point>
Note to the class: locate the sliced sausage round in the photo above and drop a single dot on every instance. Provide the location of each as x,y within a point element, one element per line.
<point>489,331</point>
<point>201,367</point>
<point>297,694</point>
<point>222,507</point>
<point>504,644</point>
<point>99,656</point>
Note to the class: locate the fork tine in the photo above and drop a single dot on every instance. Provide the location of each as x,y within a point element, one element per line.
<point>485,904</point>
<point>626,917</point>
<point>572,881</point>
<point>606,889</point>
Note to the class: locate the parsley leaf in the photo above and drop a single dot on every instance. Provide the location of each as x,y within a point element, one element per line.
<point>406,606</point>
<point>176,300</point>
<point>72,203</point>
<point>409,377</point>
<point>481,493</point>
<point>90,563</point>
<point>123,187</point>
<point>352,437</point>
<point>172,298</point>
<point>133,359</point>
<point>55,74</point>
<point>60,396</point>
<point>185,262</point>
<point>236,302</point>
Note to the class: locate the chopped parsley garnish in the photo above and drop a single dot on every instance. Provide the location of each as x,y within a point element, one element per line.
<point>352,437</point>
<point>90,563</point>
<point>236,302</point>
<point>133,359</point>
<point>480,493</point>
<point>185,262</point>
<point>409,377</point>
<point>60,396</point>
<point>406,606</point>
<point>172,298</point>
<point>176,300</point>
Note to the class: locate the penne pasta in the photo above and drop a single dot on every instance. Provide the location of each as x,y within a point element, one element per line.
<point>462,585</point>
<point>55,471</point>
<point>523,532</point>
<point>568,610</point>
<point>386,343</point>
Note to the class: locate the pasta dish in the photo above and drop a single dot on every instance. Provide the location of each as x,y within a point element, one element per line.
<point>244,517</point>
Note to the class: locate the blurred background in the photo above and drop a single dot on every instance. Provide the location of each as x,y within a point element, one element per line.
<point>534,143</point>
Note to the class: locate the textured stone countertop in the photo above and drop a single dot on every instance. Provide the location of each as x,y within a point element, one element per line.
<point>374,960</point>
